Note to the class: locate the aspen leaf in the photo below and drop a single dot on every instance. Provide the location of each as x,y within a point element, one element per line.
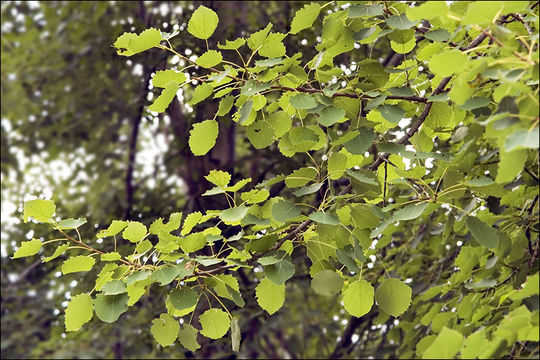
<point>270,296</point>
<point>203,137</point>
<point>215,323</point>
<point>203,22</point>
<point>78,312</point>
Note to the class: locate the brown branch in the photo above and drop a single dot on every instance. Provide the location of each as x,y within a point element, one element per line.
<point>414,128</point>
<point>346,337</point>
<point>351,95</point>
<point>519,18</point>
<point>533,175</point>
<point>518,55</point>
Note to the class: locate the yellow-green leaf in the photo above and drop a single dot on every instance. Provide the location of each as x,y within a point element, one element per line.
<point>28,248</point>
<point>203,22</point>
<point>40,210</point>
<point>203,137</point>
<point>78,312</point>
<point>215,323</point>
<point>77,264</point>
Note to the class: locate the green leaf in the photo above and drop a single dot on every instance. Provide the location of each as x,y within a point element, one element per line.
<point>303,101</point>
<point>403,48</point>
<point>428,10</point>
<point>111,256</point>
<point>279,272</point>
<point>440,116</point>
<point>105,275</point>
<point>272,46</point>
<point>251,87</point>
<point>364,177</point>
<point>114,287</point>
<point>523,139</point>
<point>135,291</point>
<point>203,137</point>
<point>327,283</point>
<point>284,210</point>
<point>255,196</point>
<point>482,12</point>
<point>301,177</point>
<point>337,164</point>
<point>438,35</point>
<point>137,276</point>
<point>193,218</point>
<point>167,95</point>
<point>269,62</point>
<point>256,39</point>
<point>474,345</point>
<point>193,242</point>
<point>109,307</point>
<point>59,251</point>
<point>236,335</point>
<point>246,113</point>
<point>188,337</point>
<point>410,212</point>
<point>362,142</point>
<point>270,296</point>
<point>510,165</point>
<point>134,232</point>
<point>305,17</point>
<point>475,103</point>
<point>331,115</point>
<point>234,214</point>
<point>393,297</point>
<point>143,247</point>
<point>400,22</point>
<point>445,346</point>
<point>366,10</point>
<point>200,93</point>
<point>240,184</point>
<point>260,134</point>
<point>259,101</point>
<point>225,105</point>
<point>218,178</point>
<point>324,218</point>
<point>209,59</point>
<point>448,62</point>
<point>392,113</point>
<point>165,274</point>
<point>78,312</point>
<point>77,264</point>
<point>308,189</point>
<point>183,298</point>
<point>203,22</point>
<point>28,248</point>
<point>232,45</point>
<point>303,138</point>
<point>347,259</point>
<point>483,233</point>
<point>358,298</point>
<point>215,323</point>
<point>364,33</point>
<point>165,329</point>
<point>40,210</point>
<point>163,77</point>
<point>129,43</point>
<point>71,223</point>
<point>113,229</point>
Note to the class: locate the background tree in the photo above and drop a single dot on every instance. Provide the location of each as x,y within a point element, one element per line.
<point>409,128</point>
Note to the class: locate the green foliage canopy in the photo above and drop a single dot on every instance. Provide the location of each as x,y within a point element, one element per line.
<point>417,182</point>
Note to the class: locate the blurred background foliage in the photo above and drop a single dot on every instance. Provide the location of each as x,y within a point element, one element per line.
<point>75,128</point>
